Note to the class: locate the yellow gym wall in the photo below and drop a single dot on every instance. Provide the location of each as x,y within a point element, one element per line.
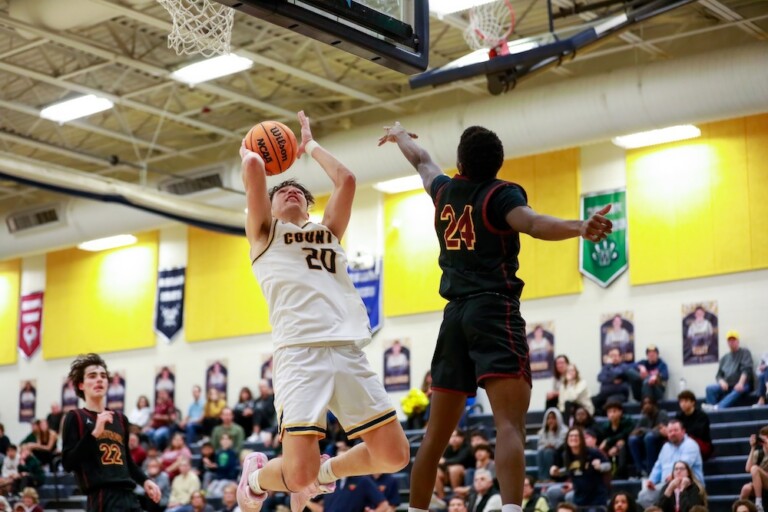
<point>698,207</point>
<point>10,283</point>
<point>411,273</point>
<point>100,301</point>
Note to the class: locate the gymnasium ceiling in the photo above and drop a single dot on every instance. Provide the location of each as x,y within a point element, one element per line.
<point>159,127</point>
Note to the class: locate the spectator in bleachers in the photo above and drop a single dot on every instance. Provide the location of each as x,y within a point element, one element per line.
<point>141,414</point>
<point>653,376</point>
<point>5,442</point>
<point>229,427</point>
<point>478,437</point>
<point>354,494</point>
<point>679,447</point>
<point>457,504</point>
<point>44,444</point>
<point>614,380</point>
<point>10,470</point>
<point>227,467</point>
<point>453,464</point>
<point>652,508</point>
<point>734,376</point>
<point>743,506</point>
<point>683,491</point>
<point>762,379</point>
<point>182,487</point>
<point>214,405</point>
<point>55,416</point>
<point>574,393</point>
<point>192,425</point>
<point>484,498</point>
<point>590,438</point>
<point>757,467</point>
<point>582,418</point>
<point>648,436</point>
<point>229,499</point>
<point>566,507</point>
<point>207,463</point>
<point>695,422</point>
<point>30,470</point>
<point>414,405</point>
<point>587,469</point>
<point>551,439</point>
<point>264,406</point>
<point>4,505</point>
<point>156,474</point>
<point>244,409</point>
<point>532,500</point>
<point>174,454</point>
<point>558,378</point>
<point>622,501</point>
<point>31,500</point>
<point>613,435</point>
<point>197,503</point>
<point>387,485</point>
<point>159,429</point>
<point>138,453</point>
<point>483,454</point>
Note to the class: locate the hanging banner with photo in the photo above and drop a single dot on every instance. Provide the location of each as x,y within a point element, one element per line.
<point>397,365</point>
<point>169,309</point>
<point>541,347</point>
<point>30,322</point>
<point>27,400</point>
<point>700,333</point>
<point>366,276</point>
<point>165,380</point>
<point>603,262</point>
<point>216,377</point>
<point>69,399</point>
<point>617,330</point>
<point>266,368</point>
<point>116,391</point>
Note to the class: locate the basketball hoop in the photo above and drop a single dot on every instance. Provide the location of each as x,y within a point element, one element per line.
<point>199,26</point>
<point>490,25</point>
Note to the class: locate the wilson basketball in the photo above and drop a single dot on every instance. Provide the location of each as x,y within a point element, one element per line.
<point>276,144</point>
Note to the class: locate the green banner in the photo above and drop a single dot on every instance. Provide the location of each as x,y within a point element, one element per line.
<point>604,261</point>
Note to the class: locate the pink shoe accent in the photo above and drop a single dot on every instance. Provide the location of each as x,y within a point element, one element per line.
<point>247,500</point>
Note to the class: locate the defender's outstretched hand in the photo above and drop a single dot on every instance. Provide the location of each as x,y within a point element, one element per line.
<point>306,133</point>
<point>392,132</point>
<point>597,227</point>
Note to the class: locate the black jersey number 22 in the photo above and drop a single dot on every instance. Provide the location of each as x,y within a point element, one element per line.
<point>462,228</point>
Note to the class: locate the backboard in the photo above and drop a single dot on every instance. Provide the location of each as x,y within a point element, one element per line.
<point>393,33</point>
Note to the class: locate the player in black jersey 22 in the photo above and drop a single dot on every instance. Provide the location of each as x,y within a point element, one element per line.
<point>478,219</point>
<point>96,444</point>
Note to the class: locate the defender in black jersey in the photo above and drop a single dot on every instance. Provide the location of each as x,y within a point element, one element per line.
<point>95,445</point>
<point>478,219</point>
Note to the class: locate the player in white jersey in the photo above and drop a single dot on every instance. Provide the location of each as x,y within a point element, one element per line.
<point>319,323</point>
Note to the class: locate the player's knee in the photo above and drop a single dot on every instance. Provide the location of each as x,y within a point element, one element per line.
<point>299,478</point>
<point>392,457</point>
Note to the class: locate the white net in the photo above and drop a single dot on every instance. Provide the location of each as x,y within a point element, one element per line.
<point>489,25</point>
<point>199,26</point>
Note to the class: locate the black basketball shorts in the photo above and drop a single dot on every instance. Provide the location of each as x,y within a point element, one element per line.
<point>113,500</point>
<point>482,336</point>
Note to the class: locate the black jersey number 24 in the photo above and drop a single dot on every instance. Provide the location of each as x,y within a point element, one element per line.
<point>459,229</point>
<point>321,259</point>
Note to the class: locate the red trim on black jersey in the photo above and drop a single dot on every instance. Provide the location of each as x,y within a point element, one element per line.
<point>452,391</point>
<point>486,220</point>
<point>81,430</point>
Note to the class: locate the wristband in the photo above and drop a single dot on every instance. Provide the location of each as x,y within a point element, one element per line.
<point>310,146</point>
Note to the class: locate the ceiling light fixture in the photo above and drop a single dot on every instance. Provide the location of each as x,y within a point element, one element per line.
<point>653,137</point>
<point>110,242</point>
<point>443,7</point>
<point>75,108</point>
<point>398,185</point>
<point>211,69</point>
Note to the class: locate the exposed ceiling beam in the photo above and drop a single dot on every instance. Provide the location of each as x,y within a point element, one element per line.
<point>727,14</point>
<point>43,146</point>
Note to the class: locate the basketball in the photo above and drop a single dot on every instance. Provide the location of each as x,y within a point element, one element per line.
<point>276,144</point>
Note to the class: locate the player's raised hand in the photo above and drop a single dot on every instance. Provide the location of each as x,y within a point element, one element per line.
<point>102,419</point>
<point>152,490</point>
<point>597,227</point>
<point>392,132</point>
<point>306,132</point>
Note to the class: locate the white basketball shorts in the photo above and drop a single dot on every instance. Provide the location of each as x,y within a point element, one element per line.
<point>310,379</point>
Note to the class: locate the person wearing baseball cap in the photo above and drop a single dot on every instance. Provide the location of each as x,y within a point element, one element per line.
<point>734,376</point>
<point>654,375</point>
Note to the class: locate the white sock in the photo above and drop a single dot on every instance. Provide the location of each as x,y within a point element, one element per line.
<point>253,482</point>
<point>511,508</point>
<point>414,509</point>
<point>326,474</point>
<point>758,501</point>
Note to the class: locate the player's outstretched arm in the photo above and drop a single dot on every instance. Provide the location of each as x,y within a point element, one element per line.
<point>546,227</point>
<point>419,158</point>
<point>339,207</point>
<point>259,217</point>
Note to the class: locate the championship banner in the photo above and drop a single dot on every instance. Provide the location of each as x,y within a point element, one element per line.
<point>169,313</point>
<point>367,281</point>
<point>30,321</point>
<point>397,365</point>
<point>541,349</point>
<point>604,261</point>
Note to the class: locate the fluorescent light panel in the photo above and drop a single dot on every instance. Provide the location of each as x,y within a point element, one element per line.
<point>442,7</point>
<point>75,108</point>
<point>661,136</point>
<point>110,242</point>
<point>397,185</point>
<point>211,69</point>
